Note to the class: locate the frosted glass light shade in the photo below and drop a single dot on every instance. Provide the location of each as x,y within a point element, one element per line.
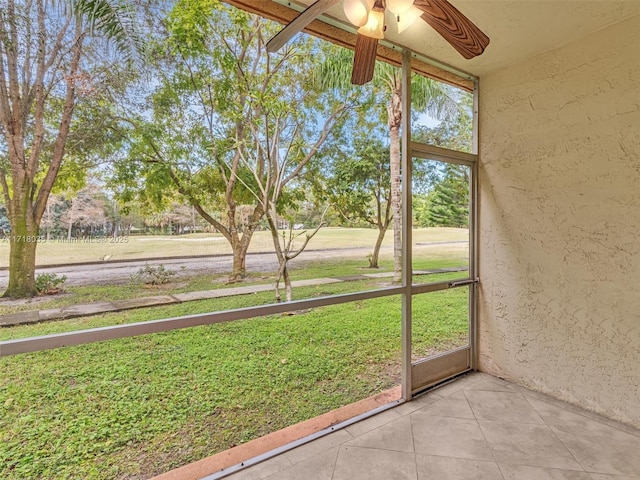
<point>405,20</point>
<point>357,11</point>
<point>399,7</point>
<point>375,25</point>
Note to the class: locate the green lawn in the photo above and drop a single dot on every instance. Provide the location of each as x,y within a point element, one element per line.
<point>185,283</point>
<point>135,407</point>
<point>59,251</point>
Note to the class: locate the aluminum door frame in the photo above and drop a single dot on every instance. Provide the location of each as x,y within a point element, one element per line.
<point>420,375</point>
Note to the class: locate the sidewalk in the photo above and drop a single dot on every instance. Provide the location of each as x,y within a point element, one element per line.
<point>74,311</point>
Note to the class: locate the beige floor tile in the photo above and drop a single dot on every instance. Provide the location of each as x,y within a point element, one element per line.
<point>456,385</point>
<point>355,463</point>
<point>449,437</point>
<point>522,472</point>
<point>372,423</point>
<point>502,407</point>
<point>604,476</point>
<point>514,387</point>
<point>262,470</point>
<point>395,436</point>
<point>554,415</point>
<point>455,405</point>
<point>447,468</point>
<point>318,446</point>
<point>489,385</point>
<point>420,402</point>
<point>602,449</point>
<point>527,444</point>
<point>318,467</point>
<point>463,431</point>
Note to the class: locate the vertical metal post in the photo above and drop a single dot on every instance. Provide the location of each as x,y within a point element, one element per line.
<point>473,236</point>
<point>407,272</point>
<point>475,119</point>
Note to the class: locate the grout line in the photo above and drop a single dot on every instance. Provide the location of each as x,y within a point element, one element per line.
<point>335,463</point>
<point>413,443</point>
<point>493,454</point>
<point>587,414</point>
<point>567,448</point>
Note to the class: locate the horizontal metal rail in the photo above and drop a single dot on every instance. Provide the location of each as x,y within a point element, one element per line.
<point>82,337</point>
<point>431,152</point>
<point>462,283</point>
<point>419,288</point>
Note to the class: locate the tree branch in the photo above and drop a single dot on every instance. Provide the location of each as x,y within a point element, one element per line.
<point>308,237</point>
<point>316,146</point>
<point>65,123</point>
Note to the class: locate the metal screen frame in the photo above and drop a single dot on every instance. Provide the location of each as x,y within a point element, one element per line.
<point>420,375</point>
<point>406,289</point>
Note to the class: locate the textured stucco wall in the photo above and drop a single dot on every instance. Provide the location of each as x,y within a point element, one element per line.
<point>560,222</point>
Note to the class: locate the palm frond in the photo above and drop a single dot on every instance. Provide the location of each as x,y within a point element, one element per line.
<point>115,19</point>
<point>433,97</point>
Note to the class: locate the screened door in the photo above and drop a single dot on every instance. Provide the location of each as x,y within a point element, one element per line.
<point>443,265</point>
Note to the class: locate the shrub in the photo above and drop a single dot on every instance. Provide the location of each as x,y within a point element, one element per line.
<point>154,275</point>
<point>49,283</point>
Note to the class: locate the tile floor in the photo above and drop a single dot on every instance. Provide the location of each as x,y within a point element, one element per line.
<point>476,428</point>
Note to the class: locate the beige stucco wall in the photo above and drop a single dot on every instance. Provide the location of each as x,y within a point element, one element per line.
<point>560,222</point>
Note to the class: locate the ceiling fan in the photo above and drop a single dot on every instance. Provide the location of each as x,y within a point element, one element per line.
<point>368,15</point>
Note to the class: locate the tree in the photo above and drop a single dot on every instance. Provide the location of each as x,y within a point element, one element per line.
<point>360,188</point>
<point>5,227</point>
<point>51,216</point>
<point>283,145</point>
<point>181,217</point>
<point>286,250</point>
<point>186,142</point>
<point>453,132</point>
<point>427,96</point>
<point>230,127</point>
<point>448,204</point>
<point>43,49</point>
<point>445,200</point>
<point>86,211</point>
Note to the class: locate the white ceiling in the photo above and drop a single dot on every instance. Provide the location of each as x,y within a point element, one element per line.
<point>518,29</point>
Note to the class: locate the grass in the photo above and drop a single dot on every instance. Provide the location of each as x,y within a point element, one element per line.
<point>135,407</point>
<point>185,283</point>
<point>59,251</point>
<point>132,408</point>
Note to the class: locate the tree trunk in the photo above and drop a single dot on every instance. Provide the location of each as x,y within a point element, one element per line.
<point>287,282</point>
<point>283,273</point>
<point>239,243</point>
<point>27,203</point>
<point>238,269</point>
<point>396,203</point>
<point>22,261</point>
<point>373,261</point>
<point>394,111</point>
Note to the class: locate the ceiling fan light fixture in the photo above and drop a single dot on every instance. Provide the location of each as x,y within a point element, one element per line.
<point>405,20</point>
<point>374,27</point>
<point>357,11</point>
<point>398,7</point>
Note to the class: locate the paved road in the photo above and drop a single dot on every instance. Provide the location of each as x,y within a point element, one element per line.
<point>113,272</point>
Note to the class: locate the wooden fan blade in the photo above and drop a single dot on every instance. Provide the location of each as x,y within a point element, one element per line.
<point>364,59</point>
<point>299,23</point>
<point>454,27</point>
